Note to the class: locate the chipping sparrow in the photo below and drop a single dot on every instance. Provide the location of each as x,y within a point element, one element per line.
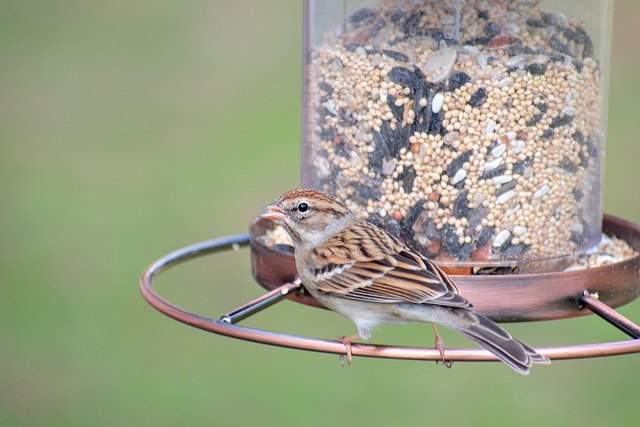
<point>360,271</point>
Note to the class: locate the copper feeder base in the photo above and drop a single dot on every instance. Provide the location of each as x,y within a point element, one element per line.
<point>523,297</point>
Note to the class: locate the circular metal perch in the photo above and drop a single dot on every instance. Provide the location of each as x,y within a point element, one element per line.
<point>566,294</point>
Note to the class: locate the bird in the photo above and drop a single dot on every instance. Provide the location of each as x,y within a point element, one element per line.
<point>362,272</point>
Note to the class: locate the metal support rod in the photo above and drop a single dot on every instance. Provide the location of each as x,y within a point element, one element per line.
<point>260,303</point>
<point>610,315</point>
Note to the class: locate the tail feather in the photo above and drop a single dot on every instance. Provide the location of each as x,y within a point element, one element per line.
<point>498,341</point>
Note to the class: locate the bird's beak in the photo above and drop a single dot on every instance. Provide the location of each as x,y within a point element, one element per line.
<point>272,212</point>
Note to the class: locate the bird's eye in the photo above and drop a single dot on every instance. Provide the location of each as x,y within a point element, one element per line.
<point>303,207</point>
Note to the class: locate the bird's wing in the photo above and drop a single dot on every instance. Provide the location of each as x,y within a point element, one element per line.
<point>399,275</point>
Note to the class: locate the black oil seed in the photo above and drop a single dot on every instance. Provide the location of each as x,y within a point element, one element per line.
<point>398,111</point>
<point>536,69</point>
<point>436,123</point>
<point>483,14</point>
<point>325,87</point>
<point>461,206</point>
<point>363,193</point>
<point>394,54</point>
<point>361,15</point>
<point>458,79</point>
<point>568,165</point>
<point>587,42</point>
<point>476,215</point>
<point>520,166</point>
<point>558,46</point>
<point>413,215</point>
<point>477,99</point>
<point>407,177</point>
<point>518,49</point>
<point>507,186</point>
<point>485,234</point>
<point>411,24</point>
<point>500,170</point>
<point>478,41</point>
<point>457,163</point>
<point>548,133</point>
<point>394,140</point>
<point>535,119</point>
<point>578,194</point>
<point>376,219</point>
<point>352,47</point>
<point>536,23</point>
<point>327,134</point>
<point>560,121</point>
<point>542,107</point>
<point>513,251</point>
<point>549,19</point>
<point>393,227</point>
<point>439,35</point>
<point>404,77</point>
<point>450,240</point>
<point>491,29</point>
<point>397,16</point>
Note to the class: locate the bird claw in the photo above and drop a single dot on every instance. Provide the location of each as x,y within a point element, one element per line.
<point>439,344</point>
<point>346,340</point>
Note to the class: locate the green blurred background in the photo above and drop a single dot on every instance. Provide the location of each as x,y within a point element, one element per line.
<point>132,128</point>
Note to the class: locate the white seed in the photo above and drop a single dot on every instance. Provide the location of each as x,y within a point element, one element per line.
<point>542,191</point>
<point>437,103</point>
<point>507,81</point>
<point>575,267</point>
<point>506,196</point>
<point>330,105</point>
<point>388,166</point>
<point>491,126</point>
<point>519,230</point>
<point>471,49</point>
<point>459,176</point>
<point>569,111</point>
<point>515,60</point>
<point>355,157</point>
<point>518,145</point>
<point>501,179</point>
<point>498,150</point>
<point>501,238</point>
<point>577,227</point>
<point>479,199</point>
<point>324,167</point>
<point>604,259</point>
<point>442,61</point>
<point>606,240</point>
<point>491,165</point>
<point>512,27</point>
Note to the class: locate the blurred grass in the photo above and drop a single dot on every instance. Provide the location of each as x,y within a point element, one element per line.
<point>129,129</point>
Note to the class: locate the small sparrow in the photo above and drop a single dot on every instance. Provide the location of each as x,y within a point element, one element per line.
<point>362,272</point>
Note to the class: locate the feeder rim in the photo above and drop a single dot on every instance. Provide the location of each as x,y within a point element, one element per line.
<point>225,324</point>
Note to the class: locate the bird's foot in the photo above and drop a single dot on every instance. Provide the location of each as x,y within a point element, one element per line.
<point>346,340</point>
<point>439,344</point>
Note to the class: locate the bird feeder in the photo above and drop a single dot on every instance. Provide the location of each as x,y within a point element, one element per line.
<point>474,132</point>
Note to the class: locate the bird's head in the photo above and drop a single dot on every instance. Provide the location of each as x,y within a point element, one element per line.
<point>309,216</point>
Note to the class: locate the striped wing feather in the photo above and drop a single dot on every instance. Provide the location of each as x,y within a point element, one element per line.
<point>403,276</point>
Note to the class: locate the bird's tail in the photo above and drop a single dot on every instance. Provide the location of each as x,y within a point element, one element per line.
<point>498,341</point>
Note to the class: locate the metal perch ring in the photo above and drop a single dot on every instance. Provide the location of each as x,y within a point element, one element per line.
<point>226,324</point>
